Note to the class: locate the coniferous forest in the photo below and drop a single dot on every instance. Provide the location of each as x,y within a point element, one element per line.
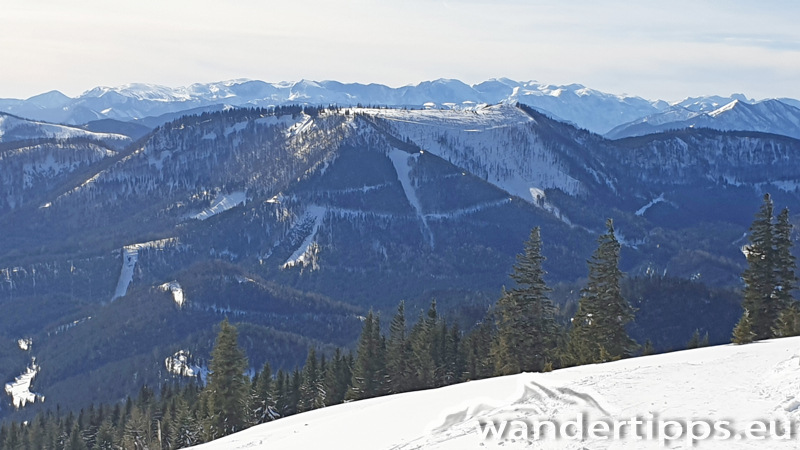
<point>523,332</point>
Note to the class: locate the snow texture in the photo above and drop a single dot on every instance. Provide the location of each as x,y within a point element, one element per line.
<point>222,203</point>
<point>20,388</point>
<point>25,344</point>
<point>177,292</point>
<point>693,384</point>
<point>644,208</point>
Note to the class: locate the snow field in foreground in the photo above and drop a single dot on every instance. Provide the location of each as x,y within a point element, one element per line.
<point>759,381</point>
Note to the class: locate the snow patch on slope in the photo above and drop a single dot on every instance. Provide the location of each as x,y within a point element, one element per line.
<point>644,208</point>
<point>25,344</point>
<point>306,254</point>
<point>497,143</point>
<point>177,292</point>
<point>130,255</point>
<point>402,162</point>
<point>221,203</point>
<point>181,364</point>
<point>20,388</point>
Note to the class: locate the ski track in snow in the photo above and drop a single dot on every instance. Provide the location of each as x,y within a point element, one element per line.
<point>402,165</point>
<point>687,385</point>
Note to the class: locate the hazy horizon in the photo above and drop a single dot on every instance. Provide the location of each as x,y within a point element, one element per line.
<point>655,51</point>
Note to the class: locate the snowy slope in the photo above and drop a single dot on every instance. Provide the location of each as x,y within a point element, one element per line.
<point>17,129</point>
<point>768,116</point>
<point>760,381</point>
<point>498,143</point>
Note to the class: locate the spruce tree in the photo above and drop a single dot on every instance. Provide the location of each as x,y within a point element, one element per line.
<point>398,373</point>
<point>743,332</point>
<point>312,391</point>
<point>598,328</point>
<point>760,277</point>
<point>785,264</point>
<point>369,369</point>
<point>227,385</point>
<point>264,402</point>
<point>788,324</point>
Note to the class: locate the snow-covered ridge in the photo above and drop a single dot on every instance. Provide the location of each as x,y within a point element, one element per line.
<point>688,385</point>
<point>497,143</point>
<point>19,129</point>
<point>768,116</point>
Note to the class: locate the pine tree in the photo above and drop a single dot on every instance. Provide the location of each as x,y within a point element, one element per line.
<point>598,328</point>
<point>743,332</point>
<point>264,402</point>
<point>338,376</point>
<point>788,324</point>
<point>312,391</point>
<point>648,348</point>
<point>369,369</point>
<point>75,441</point>
<point>760,276</point>
<point>227,385</point>
<point>398,373</point>
<point>423,346</point>
<point>785,264</point>
<point>526,330</point>
<point>477,351</point>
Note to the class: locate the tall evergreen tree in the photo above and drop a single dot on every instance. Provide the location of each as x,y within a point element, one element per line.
<point>227,385</point>
<point>312,391</point>
<point>785,263</point>
<point>598,328</point>
<point>760,304</point>
<point>398,372</point>
<point>264,405</point>
<point>370,366</point>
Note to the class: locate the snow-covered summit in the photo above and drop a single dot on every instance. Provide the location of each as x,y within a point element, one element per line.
<point>736,114</point>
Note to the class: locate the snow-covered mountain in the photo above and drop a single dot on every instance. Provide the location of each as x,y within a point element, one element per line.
<point>17,129</point>
<point>587,108</point>
<point>334,202</point>
<point>736,384</point>
<point>768,116</point>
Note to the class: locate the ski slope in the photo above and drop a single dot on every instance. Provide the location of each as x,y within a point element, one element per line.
<point>759,381</point>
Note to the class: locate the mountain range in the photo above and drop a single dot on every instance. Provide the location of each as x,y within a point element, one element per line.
<point>294,221</point>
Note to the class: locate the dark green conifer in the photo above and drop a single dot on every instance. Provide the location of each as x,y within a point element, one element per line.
<point>227,388</point>
<point>598,328</point>
<point>759,301</point>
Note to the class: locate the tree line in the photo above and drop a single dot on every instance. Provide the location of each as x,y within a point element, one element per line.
<point>519,334</point>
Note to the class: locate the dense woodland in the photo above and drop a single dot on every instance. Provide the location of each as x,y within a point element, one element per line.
<point>521,333</point>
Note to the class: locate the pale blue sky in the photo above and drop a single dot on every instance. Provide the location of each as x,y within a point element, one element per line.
<point>655,49</point>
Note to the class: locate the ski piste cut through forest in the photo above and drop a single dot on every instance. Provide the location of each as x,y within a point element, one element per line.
<point>521,333</point>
